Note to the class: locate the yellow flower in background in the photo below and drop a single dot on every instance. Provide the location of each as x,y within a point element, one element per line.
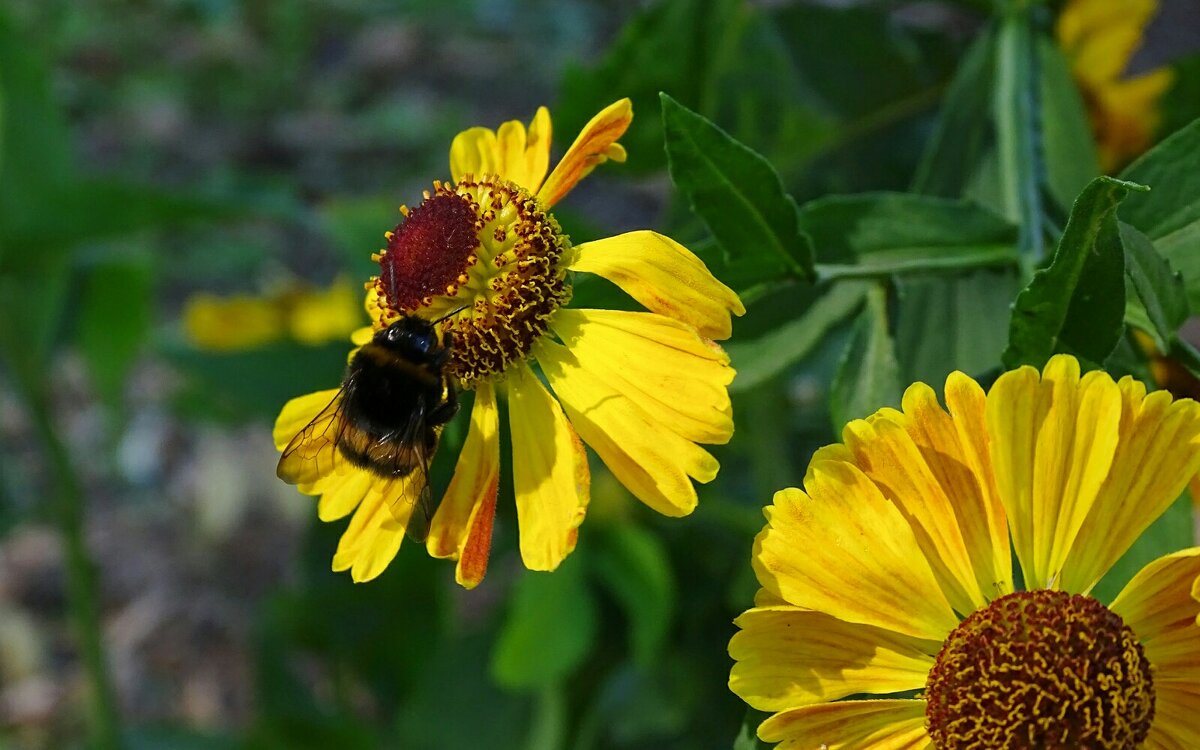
<point>309,316</point>
<point>1099,37</point>
<point>891,573</point>
<point>484,260</point>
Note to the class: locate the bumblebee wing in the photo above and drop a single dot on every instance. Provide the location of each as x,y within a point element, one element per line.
<point>411,501</point>
<point>313,453</point>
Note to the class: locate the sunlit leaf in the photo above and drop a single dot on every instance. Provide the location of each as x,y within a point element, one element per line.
<point>1077,304</point>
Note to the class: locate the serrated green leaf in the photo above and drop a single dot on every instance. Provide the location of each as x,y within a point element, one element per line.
<point>633,565</point>
<point>550,628</point>
<point>1077,304</point>
<point>964,130</point>
<point>1160,290</point>
<point>114,319</point>
<point>948,323</point>
<point>868,377</point>
<point>1067,142</point>
<point>758,360</point>
<point>1170,214</point>
<point>737,194</point>
<point>902,231</point>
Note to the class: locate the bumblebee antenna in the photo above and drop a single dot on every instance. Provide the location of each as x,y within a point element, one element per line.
<point>450,314</point>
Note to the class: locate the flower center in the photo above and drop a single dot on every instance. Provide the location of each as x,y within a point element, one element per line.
<point>1040,669</point>
<point>484,255</point>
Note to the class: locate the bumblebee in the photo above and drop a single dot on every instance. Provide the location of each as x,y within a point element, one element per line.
<point>386,418</point>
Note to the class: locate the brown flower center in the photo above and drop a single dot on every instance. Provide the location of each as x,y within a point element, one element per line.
<point>484,255</point>
<point>1040,669</point>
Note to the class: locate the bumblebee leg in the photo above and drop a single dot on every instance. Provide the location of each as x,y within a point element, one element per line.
<point>445,411</point>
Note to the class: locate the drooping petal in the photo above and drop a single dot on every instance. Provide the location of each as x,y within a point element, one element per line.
<point>1159,606</point>
<point>1175,726</point>
<point>596,144</point>
<point>462,526</point>
<point>845,550</point>
<point>550,473</point>
<point>1158,453</point>
<point>375,532</point>
<point>850,725</point>
<point>1053,440</point>
<point>785,657</point>
<point>664,276</point>
<point>306,431</point>
<point>297,413</point>
<point>677,378</point>
<point>885,448</point>
<point>644,454</point>
<point>342,493</point>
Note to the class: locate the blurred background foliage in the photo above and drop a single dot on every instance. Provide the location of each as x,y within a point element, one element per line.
<point>178,167</point>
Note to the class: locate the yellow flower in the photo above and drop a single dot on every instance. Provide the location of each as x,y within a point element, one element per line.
<point>891,573</point>
<point>1099,37</point>
<point>484,259</point>
<point>309,316</point>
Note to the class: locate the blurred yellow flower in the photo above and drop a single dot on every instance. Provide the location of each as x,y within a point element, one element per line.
<point>484,259</point>
<point>309,316</point>
<point>892,572</point>
<point>1099,37</point>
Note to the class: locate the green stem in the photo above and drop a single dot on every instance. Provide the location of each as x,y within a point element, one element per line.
<point>999,256</point>
<point>103,721</point>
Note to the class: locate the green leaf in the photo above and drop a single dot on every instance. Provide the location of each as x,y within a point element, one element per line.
<point>1067,142</point>
<point>948,323</point>
<point>964,130</point>
<point>632,564</point>
<point>1170,214</point>
<point>114,320</point>
<point>31,309</point>
<point>550,628</point>
<point>1077,304</point>
<point>901,231</point>
<point>868,377</point>
<point>758,360</point>
<point>1014,108</point>
<point>1160,290</point>
<point>737,194</point>
<point>747,738</point>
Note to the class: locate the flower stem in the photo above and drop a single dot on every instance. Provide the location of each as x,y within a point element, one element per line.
<point>103,722</point>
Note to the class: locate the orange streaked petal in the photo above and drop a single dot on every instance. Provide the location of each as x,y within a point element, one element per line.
<point>596,144</point>
<point>1158,453</point>
<point>1053,441</point>
<point>844,549</point>
<point>459,526</point>
<point>645,455</point>
<point>664,276</point>
<point>785,657</point>
<point>550,473</point>
<point>850,725</point>
<point>661,365</point>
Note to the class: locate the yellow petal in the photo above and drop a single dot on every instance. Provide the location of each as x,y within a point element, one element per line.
<point>318,316</point>
<point>982,517</point>
<point>1175,709</point>
<point>462,526</point>
<point>645,455</point>
<point>473,152</point>
<point>850,725</point>
<point>845,550</point>
<point>232,323</point>
<point>596,144</point>
<point>297,413</point>
<point>375,532</point>
<point>511,153</point>
<point>1158,605</point>
<point>343,494</point>
<point>1158,453</point>
<point>550,474</point>
<point>661,365</point>
<point>664,276</point>
<point>1052,445</point>
<point>885,449</point>
<point>786,657</point>
<point>306,432</point>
